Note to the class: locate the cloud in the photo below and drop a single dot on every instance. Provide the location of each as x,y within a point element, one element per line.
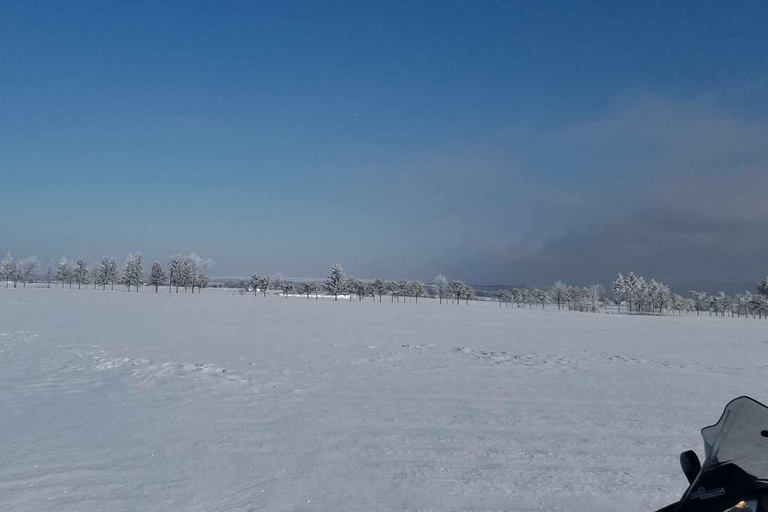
<point>672,187</point>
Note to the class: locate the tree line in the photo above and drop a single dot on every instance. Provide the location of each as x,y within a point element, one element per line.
<point>190,272</point>
<point>337,283</point>
<point>640,296</point>
<point>184,271</point>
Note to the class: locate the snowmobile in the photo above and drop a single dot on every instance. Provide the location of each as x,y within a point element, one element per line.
<point>734,475</point>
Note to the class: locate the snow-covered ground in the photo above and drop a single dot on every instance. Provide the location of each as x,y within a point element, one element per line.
<point>143,401</point>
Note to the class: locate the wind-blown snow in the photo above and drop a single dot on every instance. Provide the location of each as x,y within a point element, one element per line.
<point>143,401</point>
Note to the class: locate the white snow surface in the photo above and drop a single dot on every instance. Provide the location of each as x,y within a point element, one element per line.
<point>219,401</point>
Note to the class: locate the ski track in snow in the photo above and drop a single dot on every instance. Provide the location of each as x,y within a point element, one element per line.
<point>116,401</point>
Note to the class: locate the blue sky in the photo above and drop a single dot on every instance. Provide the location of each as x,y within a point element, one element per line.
<point>501,142</point>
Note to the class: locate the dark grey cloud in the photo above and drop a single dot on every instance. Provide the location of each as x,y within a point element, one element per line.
<point>670,187</point>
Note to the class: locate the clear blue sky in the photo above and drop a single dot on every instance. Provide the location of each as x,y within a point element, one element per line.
<point>507,142</point>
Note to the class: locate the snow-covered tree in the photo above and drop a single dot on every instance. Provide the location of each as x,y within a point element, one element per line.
<point>363,290</point>
<point>287,289</point>
<point>181,272</point>
<point>8,269</point>
<point>366,290</point>
<point>185,275</point>
<point>95,275</point>
<point>699,297</point>
<point>593,296</point>
<point>27,268</point>
<point>310,288</point>
<point>109,272</point>
<point>528,298</point>
<point>467,293</point>
<point>49,274</point>
<point>305,288</point>
<point>417,289</point>
<point>354,286</point>
<point>276,281</point>
<point>197,269</point>
<point>619,288</point>
<point>104,265</point>
<point>113,274</point>
<point>393,290</point>
<point>441,287</point>
<point>558,293</point>
<point>255,283</point>
<point>633,288</point>
<point>743,301</point>
<point>334,283</point>
<point>64,272</point>
<point>762,287</point>
<point>542,297</point>
<point>402,288</point>
<point>455,288</point>
<point>176,271</point>
<point>139,271</point>
<point>721,303</point>
<point>80,272</point>
<point>128,271</point>
<point>658,295</point>
<point>133,273</point>
<point>157,276</point>
<point>379,287</point>
<point>264,285</point>
<point>517,296</point>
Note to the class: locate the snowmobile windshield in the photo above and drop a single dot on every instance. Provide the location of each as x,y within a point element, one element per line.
<point>736,456</point>
<point>739,437</point>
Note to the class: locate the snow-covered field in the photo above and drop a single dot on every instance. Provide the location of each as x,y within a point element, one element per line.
<point>138,401</point>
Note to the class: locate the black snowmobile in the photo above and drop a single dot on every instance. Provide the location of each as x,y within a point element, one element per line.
<point>734,475</point>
